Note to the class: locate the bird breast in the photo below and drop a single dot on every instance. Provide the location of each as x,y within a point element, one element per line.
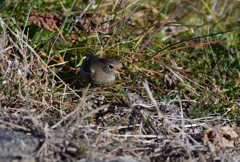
<point>103,79</point>
<point>99,78</point>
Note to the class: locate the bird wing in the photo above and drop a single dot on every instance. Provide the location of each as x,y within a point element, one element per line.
<point>88,63</point>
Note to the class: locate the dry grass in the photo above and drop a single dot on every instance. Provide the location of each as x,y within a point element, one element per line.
<point>88,126</point>
<point>74,127</point>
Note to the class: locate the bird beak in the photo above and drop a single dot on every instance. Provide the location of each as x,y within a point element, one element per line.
<point>120,70</point>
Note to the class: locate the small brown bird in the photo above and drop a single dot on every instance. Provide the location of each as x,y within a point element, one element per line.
<point>100,71</point>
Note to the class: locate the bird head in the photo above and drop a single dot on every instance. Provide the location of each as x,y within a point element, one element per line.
<point>110,65</point>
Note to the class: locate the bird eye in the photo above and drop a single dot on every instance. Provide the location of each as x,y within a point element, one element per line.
<point>110,66</point>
